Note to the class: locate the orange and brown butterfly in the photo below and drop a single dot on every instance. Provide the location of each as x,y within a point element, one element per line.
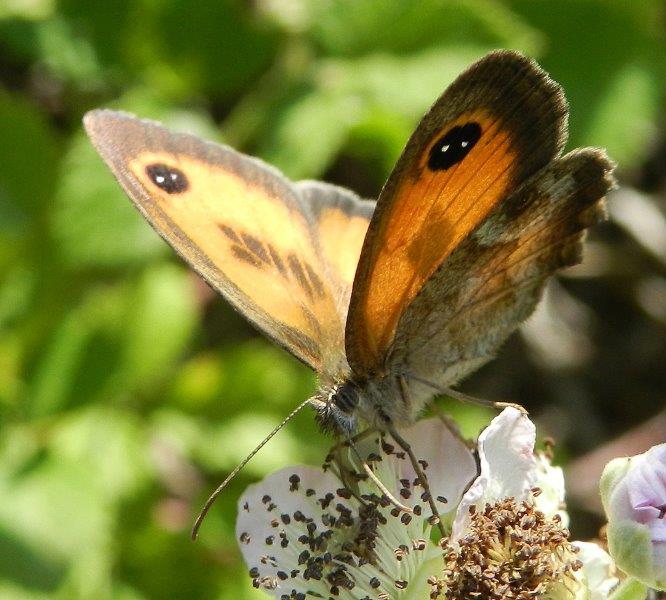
<point>394,302</point>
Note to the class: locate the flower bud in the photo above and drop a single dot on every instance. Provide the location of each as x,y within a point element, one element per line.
<point>633,491</point>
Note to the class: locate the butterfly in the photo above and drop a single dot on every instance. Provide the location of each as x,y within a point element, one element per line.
<point>390,302</point>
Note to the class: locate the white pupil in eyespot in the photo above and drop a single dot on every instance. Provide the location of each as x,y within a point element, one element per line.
<point>159,178</point>
<point>445,148</point>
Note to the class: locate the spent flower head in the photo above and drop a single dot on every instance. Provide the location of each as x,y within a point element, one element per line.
<point>332,533</point>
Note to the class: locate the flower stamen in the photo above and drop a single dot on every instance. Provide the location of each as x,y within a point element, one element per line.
<point>511,550</point>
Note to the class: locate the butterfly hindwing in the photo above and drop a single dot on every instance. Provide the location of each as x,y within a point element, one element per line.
<point>238,222</point>
<point>494,278</point>
<point>341,222</point>
<point>499,123</point>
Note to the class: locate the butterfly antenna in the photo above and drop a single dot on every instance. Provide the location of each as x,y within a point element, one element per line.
<point>247,459</point>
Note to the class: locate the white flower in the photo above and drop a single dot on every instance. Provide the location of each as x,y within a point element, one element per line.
<point>303,531</point>
<point>633,491</point>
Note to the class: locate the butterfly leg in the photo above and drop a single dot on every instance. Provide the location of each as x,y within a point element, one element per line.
<point>435,519</point>
<point>347,441</point>
<point>447,391</point>
<point>481,401</point>
<point>446,420</point>
<point>344,471</point>
<point>335,456</point>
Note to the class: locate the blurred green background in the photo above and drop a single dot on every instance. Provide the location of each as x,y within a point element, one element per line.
<point>128,390</point>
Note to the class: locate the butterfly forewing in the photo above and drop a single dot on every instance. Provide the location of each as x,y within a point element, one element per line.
<point>496,125</point>
<point>238,222</point>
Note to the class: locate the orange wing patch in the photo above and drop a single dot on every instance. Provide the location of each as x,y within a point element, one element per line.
<point>498,123</point>
<point>427,221</point>
<point>341,237</point>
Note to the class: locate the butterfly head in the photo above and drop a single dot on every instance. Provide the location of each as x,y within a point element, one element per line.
<point>336,408</point>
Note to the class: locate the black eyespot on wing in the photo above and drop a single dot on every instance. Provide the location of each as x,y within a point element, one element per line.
<point>169,179</point>
<point>454,146</point>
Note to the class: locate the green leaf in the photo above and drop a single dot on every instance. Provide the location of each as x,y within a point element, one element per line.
<point>34,9</point>
<point>26,568</point>
<point>305,136</point>
<point>29,162</point>
<point>111,442</point>
<point>56,371</point>
<point>216,46</point>
<point>161,318</point>
<point>67,55</point>
<point>356,27</point>
<point>93,223</point>
<point>309,133</point>
<point>634,94</point>
<point>630,589</point>
<point>611,78</point>
<point>104,26</point>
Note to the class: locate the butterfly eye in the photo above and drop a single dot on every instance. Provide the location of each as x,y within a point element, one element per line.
<point>169,179</point>
<point>345,397</point>
<point>454,146</point>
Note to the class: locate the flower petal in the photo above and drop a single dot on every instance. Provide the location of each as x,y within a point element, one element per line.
<point>633,491</point>
<point>550,480</point>
<point>302,532</point>
<point>448,463</point>
<point>507,465</point>
<point>269,525</point>
<point>646,483</point>
<point>598,572</point>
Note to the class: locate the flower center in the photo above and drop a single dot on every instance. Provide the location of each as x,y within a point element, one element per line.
<point>510,551</point>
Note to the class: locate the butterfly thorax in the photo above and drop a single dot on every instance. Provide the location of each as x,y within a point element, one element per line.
<point>377,402</point>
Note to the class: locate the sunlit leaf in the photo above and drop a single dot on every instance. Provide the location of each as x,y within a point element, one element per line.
<point>160,321</point>
<point>56,371</point>
<point>354,27</point>
<point>634,95</point>
<point>215,46</point>
<point>29,165</point>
